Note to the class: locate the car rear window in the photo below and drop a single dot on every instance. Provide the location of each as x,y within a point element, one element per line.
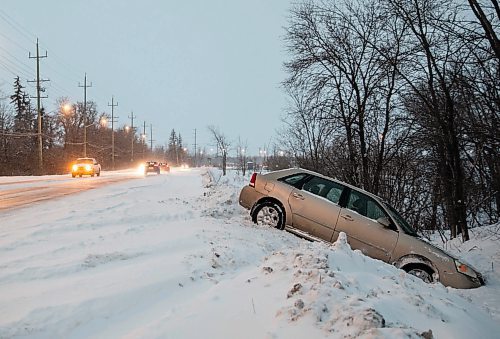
<point>294,179</point>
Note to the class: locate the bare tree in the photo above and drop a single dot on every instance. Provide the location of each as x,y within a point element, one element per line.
<point>342,89</point>
<point>241,156</point>
<point>401,98</point>
<point>222,145</point>
<point>6,124</point>
<point>489,23</point>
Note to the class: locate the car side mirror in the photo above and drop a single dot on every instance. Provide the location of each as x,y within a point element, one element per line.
<point>384,221</point>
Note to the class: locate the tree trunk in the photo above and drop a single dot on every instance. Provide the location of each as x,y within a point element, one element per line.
<point>224,158</point>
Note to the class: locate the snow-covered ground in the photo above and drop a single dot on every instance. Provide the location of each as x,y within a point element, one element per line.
<point>175,256</point>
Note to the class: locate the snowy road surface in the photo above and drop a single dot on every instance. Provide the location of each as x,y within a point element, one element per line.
<point>28,190</point>
<point>174,256</point>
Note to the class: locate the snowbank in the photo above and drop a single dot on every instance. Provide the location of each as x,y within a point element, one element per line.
<point>175,256</point>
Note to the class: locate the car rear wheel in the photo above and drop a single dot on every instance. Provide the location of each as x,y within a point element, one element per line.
<point>269,214</point>
<point>421,273</point>
<point>99,173</point>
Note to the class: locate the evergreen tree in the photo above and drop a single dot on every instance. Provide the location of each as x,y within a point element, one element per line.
<point>23,147</point>
<point>18,99</point>
<point>173,152</point>
<point>180,150</point>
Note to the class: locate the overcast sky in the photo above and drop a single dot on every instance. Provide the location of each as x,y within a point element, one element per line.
<point>176,64</point>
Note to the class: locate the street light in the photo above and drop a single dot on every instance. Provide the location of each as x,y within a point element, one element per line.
<point>66,108</point>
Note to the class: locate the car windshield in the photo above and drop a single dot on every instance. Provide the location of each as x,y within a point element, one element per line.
<point>85,161</point>
<point>401,221</point>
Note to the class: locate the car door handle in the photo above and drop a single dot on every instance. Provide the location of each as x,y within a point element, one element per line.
<point>347,217</point>
<point>298,196</point>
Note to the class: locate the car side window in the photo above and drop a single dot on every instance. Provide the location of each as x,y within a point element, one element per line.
<point>324,188</point>
<point>365,205</point>
<point>335,192</point>
<point>294,179</point>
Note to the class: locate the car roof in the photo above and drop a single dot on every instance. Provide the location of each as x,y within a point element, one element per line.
<point>290,171</point>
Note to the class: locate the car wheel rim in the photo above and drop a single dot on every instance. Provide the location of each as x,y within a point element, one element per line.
<point>421,274</point>
<point>268,216</point>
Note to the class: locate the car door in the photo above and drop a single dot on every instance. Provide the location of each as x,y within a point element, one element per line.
<point>359,221</point>
<point>315,207</point>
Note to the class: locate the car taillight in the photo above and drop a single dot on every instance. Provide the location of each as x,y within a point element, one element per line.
<point>252,179</point>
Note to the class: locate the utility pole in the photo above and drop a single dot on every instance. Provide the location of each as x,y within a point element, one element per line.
<point>131,117</point>
<point>143,138</point>
<point>195,165</point>
<point>151,137</point>
<point>38,105</point>
<point>85,85</point>
<point>113,105</point>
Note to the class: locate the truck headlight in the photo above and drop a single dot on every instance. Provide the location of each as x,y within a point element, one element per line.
<point>465,269</point>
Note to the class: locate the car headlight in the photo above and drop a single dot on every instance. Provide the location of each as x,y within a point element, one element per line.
<point>465,269</point>
<point>75,168</point>
<point>88,168</point>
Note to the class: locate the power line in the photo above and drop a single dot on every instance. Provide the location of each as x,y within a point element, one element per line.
<point>12,67</point>
<point>29,36</point>
<point>30,69</point>
<point>15,25</point>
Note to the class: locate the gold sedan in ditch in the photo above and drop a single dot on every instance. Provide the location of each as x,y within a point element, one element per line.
<point>319,208</point>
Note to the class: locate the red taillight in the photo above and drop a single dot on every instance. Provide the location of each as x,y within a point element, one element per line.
<point>252,179</point>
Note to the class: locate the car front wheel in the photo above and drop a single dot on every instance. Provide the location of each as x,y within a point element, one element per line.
<point>269,214</point>
<point>421,273</point>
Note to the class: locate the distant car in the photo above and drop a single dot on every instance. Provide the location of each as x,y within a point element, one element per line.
<point>151,167</point>
<point>319,208</point>
<point>85,166</point>
<point>164,167</point>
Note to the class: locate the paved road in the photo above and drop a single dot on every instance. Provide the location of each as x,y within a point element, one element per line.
<point>24,191</point>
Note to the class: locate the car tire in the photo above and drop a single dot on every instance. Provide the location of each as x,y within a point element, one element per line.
<point>92,175</point>
<point>80,175</point>
<point>99,173</point>
<point>269,214</point>
<point>421,272</point>
<point>73,175</point>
